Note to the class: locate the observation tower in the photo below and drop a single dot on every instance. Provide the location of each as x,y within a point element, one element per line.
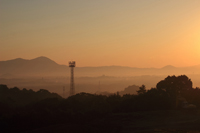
<point>72,89</point>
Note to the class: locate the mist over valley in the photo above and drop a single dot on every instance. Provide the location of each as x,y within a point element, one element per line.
<point>44,73</point>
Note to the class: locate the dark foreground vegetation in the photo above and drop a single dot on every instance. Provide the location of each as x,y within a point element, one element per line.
<point>159,109</point>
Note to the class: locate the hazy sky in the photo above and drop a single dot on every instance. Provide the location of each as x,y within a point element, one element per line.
<point>136,33</point>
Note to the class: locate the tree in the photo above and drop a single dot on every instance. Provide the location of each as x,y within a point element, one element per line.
<point>173,86</point>
<point>142,90</point>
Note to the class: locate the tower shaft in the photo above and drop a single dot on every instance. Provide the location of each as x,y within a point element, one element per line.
<point>72,90</point>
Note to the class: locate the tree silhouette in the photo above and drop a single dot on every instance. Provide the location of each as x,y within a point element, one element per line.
<point>173,86</point>
<point>142,90</point>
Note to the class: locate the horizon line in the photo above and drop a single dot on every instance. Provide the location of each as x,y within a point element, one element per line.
<point>101,65</point>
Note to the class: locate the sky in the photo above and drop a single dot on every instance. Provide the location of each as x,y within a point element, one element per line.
<point>134,33</point>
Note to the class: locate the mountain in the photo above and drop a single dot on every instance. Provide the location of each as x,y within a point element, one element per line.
<point>43,66</point>
<point>35,67</point>
<point>168,67</point>
<point>129,90</point>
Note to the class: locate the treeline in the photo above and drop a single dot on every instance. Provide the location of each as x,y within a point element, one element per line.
<point>39,109</point>
<point>15,97</point>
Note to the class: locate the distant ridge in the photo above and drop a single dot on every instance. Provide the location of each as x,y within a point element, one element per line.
<point>43,66</point>
<point>35,67</point>
<point>168,67</point>
<point>43,60</point>
<point>40,59</point>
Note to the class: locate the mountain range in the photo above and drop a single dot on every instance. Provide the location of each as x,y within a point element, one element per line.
<point>43,66</point>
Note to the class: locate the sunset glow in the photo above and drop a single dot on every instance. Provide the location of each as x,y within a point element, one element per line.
<point>148,33</point>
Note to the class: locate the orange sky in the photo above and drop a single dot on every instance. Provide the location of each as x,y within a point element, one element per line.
<point>135,33</point>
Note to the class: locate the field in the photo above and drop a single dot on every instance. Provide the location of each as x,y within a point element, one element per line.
<point>172,121</point>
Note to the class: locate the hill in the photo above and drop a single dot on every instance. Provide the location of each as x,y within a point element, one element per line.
<point>43,66</point>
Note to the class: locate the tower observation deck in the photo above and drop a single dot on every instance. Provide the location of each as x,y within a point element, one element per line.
<point>72,89</point>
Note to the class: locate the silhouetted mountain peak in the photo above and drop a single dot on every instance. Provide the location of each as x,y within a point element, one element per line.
<point>37,66</point>
<point>43,59</point>
<point>16,60</point>
<point>168,67</point>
